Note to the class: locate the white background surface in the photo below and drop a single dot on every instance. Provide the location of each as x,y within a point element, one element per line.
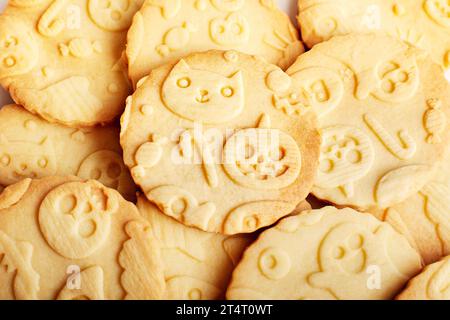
<point>290,6</point>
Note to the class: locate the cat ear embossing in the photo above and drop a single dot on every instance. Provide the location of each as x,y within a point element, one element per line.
<point>204,96</point>
<point>75,218</point>
<point>16,257</point>
<point>92,286</point>
<point>231,31</point>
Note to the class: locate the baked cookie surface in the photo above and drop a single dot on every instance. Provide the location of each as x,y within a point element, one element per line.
<point>62,238</point>
<point>325,254</point>
<point>208,128</point>
<point>33,148</point>
<point>165,31</point>
<point>62,59</point>
<point>383,111</point>
<point>422,23</point>
<point>432,284</point>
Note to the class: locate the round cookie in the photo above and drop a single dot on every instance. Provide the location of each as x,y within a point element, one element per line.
<point>62,238</point>
<point>383,110</point>
<point>206,141</point>
<point>340,254</point>
<point>64,59</point>
<point>33,148</point>
<point>422,23</point>
<point>432,284</point>
<point>165,31</point>
<point>197,264</point>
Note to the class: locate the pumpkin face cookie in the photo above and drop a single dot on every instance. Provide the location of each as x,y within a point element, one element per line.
<point>422,23</point>
<point>432,284</point>
<point>383,118</point>
<point>208,128</point>
<point>344,254</point>
<point>63,59</point>
<point>62,238</point>
<point>197,264</point>
<point>165,31</point>
<point>33,148</point>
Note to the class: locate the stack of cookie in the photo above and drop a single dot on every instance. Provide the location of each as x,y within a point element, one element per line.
<point>227,130</point>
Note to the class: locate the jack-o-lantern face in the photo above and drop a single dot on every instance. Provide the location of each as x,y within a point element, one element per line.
<point>75,218</point>
<point>113,15</point>
<point>18,50</point>
<point>262,159</point>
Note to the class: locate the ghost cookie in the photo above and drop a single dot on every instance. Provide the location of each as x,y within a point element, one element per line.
<point>206,142</point>
<point>165,31</point>
<point>432,284</point>
<point>383,111</point>
<point>67,239</point>
<point>64,59</point>
<point>340,254</point>
<point>33,148</point>
<point>197,264</point>
<point>422,23</point>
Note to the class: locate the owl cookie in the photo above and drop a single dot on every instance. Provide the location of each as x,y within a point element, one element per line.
<point>63,238</point>
<point>197,264</point>
<point>340,254</point>
<point>63,60</point>
<point>207,142</point>
<point>432,284</point>
<point>421,23</point>
<point>33,148</point>
<point>383,110</point>
<point>165,31</point>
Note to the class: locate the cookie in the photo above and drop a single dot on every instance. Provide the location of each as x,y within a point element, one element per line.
<point>325,254</point>
<point>424,24</point>
<point>197,264</point>
<point>432,284</point>
<point>33,148</point>
<point>383,111</point>
<point>424,218</point>
<point>165,31</point>
<point>207,142</point>
<point>64,59</point>
<point>63,238</point>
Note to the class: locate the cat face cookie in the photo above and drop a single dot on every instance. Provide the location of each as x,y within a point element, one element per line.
<point>432,284</point>
<point>206,141</point>
<point>33,148</point>
<point>424,24</point>
<point>341,254</point>
<point>165,31</point>
<point>197,264</point>
<point>383,118</point>
<point>62,238</point>
<point>63,59</point>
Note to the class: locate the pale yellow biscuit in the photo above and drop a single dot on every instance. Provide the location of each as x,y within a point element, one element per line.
<point>165,31</point>
<point>432,284</point>
<point>64,59</point>
<point>62,238</point>
<point>33,148</point>
<point>197,264</point>
<point>207,142</point>
<point>383,110</point>
<point>422,23</point>
<point>326,254</point>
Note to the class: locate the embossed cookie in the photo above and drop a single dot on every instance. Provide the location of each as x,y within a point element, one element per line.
<point>197,264</point>
<point>62,238</point>
<point>165,31</point>
<point>432,284</point>
<point>207,142</point>
<point>422,23</point>
<point>326,254</point>
<point>33,148</point>
<point>383,110</point>
<point>63,59</point>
